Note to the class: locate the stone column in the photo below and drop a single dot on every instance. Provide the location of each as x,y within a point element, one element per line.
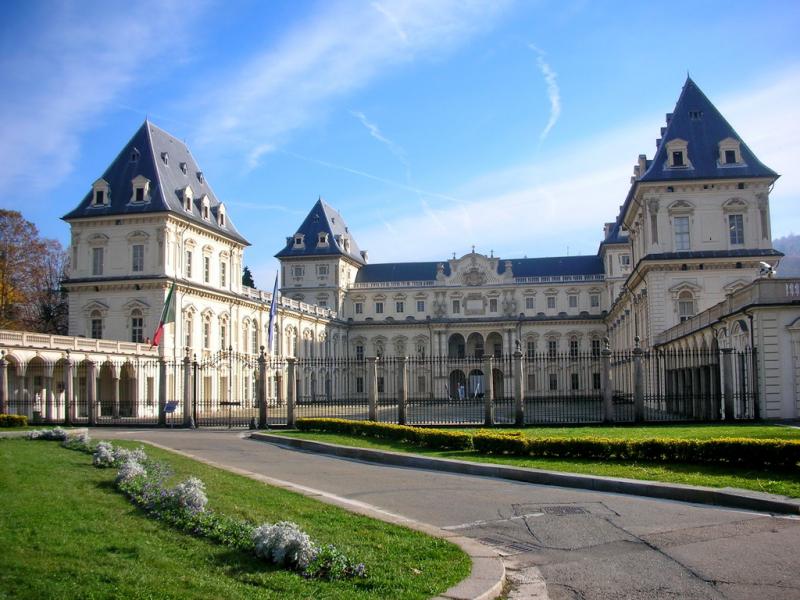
<point>162,392</point>
<point>638,383</point>
<point>372,387</point>
<point>115,393</point>
<point>188,420</point>
<point>291,390</point>
<point>69,400</point>
<point>488,400</point>
<point>519,391</point>
<point>48,397</point>
<point>727,382</point>
<point>697,406</point>
<point>3,383</point>
<point>402,390</point>
<point>91,393</point>
<point>262,390</point>
<point>607,383</point>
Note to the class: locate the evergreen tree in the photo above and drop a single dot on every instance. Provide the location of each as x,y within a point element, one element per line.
<point>247,278</point>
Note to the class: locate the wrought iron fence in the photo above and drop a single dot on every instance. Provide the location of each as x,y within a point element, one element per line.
<point>230,389</point>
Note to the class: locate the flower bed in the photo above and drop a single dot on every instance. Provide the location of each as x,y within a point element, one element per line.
<point>184,506</point>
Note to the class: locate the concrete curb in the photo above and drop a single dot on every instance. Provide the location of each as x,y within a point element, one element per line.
<point>727,497</point>
<point>488,574</point>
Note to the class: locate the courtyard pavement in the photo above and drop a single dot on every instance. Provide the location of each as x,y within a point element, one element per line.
<point>583,545</point>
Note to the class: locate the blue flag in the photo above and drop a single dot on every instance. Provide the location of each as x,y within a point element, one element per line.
<point>273,309</point>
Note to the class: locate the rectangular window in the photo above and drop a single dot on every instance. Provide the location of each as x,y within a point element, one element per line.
<point>188,263</point>
<point>359,308</point>
<point>322,270</point>
<point>206,334</point>
<point>736,226</point>
<point>223,335</point>
<point>553,382</point>
<point>595,381</point>
<point>360,385</point>
<point>552,347</point>
<point>625,260</point>
<point>97,329</point>
<point>97,261</point>
<point>681,226</point>
<point>298,271</point>
<point>223,273</point>
<point>551,302</point>
<point>531,348</point>
<point>573,348</point>
<point>730,157</point>
<point>493,305</point>
<point>456,307</point>
<point>573,301</point>
<point>594,299</point>
<point>574,381</point>
<point>379,308</point>
<point>99,197</point>
<point>139,194</point>
<point>137,330</point>
<point>595,348</point>
<point>137,258</point>
<point>530,303</point>
<point>399,306</point>
<point>420,305</point>
<point>359,352</point>
<point>206,269</point>
<point>677,159</point>
<point>685,309</point>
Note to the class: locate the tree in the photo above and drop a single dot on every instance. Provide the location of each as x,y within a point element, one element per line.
<point>247,278</point>
<point>31,271</point>
<point>789,244</point>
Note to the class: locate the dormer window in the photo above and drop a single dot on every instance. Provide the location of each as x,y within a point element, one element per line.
<point>100,193</point>
<point>141,190</point>
<point>323,239</point>
<point>299,240</point>
<point>730,153</point>
<point>678,154</point>
<point>200,177</point>
<point>187,198</point>
<point>221,215</point>
<point>165,157</point>
<point>695,115</point>
<point>135,155</point>
<point>183,168</point>
<point>206,208</point>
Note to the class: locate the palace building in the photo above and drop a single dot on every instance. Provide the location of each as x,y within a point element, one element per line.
<point>692,234</point>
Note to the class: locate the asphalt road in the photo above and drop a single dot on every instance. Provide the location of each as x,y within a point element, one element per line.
<point>584,545</point>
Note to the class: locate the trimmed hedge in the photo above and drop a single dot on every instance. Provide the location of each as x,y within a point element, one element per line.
<point>734,451</point>
<point>440,439</point>
<point>13,421</point>
<point>737,451</point>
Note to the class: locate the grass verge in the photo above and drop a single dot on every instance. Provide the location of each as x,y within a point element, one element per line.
<point>773,481</point>
<point>66,532</point>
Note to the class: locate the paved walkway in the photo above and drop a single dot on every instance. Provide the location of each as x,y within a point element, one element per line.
<point>585,545</point>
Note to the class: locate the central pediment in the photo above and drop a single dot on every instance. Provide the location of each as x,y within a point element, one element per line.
<point>473,270</point>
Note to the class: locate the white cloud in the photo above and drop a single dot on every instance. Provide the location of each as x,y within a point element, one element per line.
<point>553,91</point>
<point>341,48</point>
<point>67,72</point>
<point>538,208</point>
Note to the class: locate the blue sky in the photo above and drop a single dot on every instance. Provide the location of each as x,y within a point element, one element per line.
<point>430,125</point>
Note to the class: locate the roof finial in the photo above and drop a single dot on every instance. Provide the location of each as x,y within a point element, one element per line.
<point>473,248</point>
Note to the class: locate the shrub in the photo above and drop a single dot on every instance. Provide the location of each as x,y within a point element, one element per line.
<point>103,456</point>
<point>283,543</point>
<point>56,434</point>
<point>129,472</point>
<point>123,455</point>
<point>432,438</point>
<point>13,420</point>
<point>190,495</point>
<point>81,442</point>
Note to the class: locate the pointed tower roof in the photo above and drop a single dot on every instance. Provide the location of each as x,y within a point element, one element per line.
<point>697,122</point>
<point>170,167</point>
<point>338,241</point>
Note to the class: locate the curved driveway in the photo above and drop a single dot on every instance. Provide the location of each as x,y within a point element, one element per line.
<point>586,545</point>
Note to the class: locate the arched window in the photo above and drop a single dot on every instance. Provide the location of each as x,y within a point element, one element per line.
<point>686,309</point>
<point>223,333</point>
<point>207,332</point>
<point>137,326</point>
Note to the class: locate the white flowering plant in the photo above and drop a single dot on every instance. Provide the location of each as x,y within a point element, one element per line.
<point>103,456</point>
<point>284,544</point>
<point>56,434</point>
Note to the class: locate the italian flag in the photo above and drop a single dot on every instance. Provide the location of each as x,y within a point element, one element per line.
<point>167,316</point>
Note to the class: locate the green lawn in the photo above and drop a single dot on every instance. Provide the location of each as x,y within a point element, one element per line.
<point>66,532</point>
<point>773,481</point>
